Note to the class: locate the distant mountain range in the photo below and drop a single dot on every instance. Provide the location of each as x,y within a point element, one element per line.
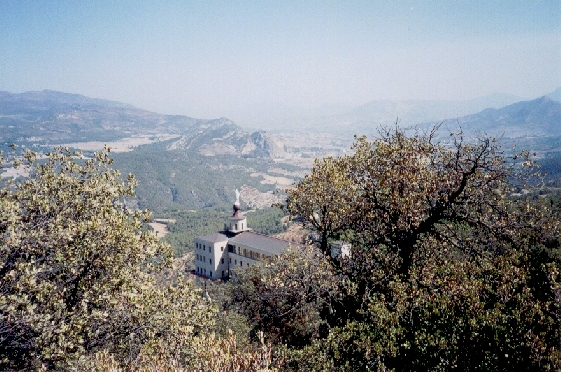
<point>555,95</point>
<point>385,112</point>
<point>48,118</point>
<point>344,119</point>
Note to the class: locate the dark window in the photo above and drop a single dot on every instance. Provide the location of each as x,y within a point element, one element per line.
<point>223,273</point>
<point>231,248</point>
<point>221,260</point>
<point>210,261</point>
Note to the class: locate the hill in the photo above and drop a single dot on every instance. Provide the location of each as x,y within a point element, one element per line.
<point>190,163</point>
<point>48,118</point>
<point>555,95</point>
<point>537,118</point>
<point>174,179</point>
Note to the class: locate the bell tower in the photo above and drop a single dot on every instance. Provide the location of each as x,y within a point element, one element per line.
<point>238,222</point>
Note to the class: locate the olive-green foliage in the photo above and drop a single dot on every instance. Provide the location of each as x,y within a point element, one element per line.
<point>447,270</point>
<point>287,297</point>
<point>78,276</point>
<point>479,313</point>
<point>267,221</point>
<point>190,224</point>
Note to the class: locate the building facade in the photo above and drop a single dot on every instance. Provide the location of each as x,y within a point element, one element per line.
<point>235,247</point>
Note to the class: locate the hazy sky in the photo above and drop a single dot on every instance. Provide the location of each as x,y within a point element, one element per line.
<point>210,58</point>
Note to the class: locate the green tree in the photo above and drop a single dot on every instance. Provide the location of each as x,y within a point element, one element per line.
<point>448,270</point>
<point>288,296</point>
<point>325,199</point>
<point>78,276</point>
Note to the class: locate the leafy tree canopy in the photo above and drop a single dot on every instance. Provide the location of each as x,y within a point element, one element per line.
<point>78,276</point>
<point>447,269</point>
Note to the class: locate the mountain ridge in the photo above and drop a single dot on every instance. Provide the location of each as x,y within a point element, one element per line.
<point>540,117</point>
<point>49,117</point>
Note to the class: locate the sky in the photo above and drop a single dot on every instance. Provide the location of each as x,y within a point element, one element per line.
<point>211,59</point>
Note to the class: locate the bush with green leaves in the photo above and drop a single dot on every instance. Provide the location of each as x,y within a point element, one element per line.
<point>78,276</point>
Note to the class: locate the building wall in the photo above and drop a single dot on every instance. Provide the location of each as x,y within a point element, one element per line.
<point>216,259</point>
<point>244,256</point>
<point>221,259</point>
<point>211,259</point>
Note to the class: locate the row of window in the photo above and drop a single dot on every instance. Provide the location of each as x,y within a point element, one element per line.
<point>245,252</point>
<point>204,247</point>
<point>241,263</point>
<point>203,271</point>
<point>200,257</point>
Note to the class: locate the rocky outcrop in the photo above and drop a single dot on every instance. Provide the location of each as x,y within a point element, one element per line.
<point>268,145</point>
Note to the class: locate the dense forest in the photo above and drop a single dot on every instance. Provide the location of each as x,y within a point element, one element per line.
<point>178,180</point>
<point>454,266</point>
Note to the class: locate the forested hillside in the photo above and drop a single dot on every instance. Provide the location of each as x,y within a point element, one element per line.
<point>187,180</point>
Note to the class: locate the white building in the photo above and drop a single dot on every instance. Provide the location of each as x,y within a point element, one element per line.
<point>237,246</point>
<point>341,248</point>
